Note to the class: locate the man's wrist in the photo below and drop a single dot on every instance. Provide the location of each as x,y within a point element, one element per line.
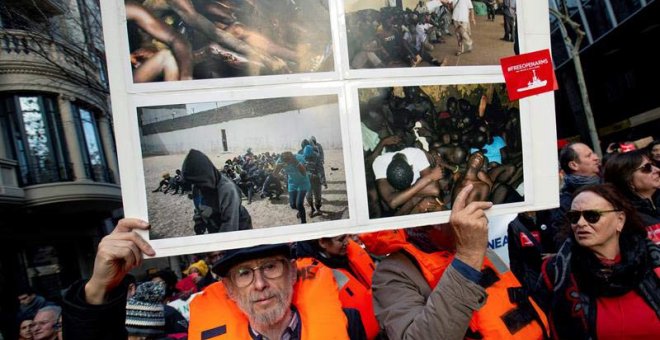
<point>474,259</point>
<point>95,294</point>
<point>466,270</point>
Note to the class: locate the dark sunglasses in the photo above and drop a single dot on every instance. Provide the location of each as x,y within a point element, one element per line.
<point>646,168</point>
<point>591,216</point>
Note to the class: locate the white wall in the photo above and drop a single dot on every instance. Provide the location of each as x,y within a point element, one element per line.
<point>275,132</point>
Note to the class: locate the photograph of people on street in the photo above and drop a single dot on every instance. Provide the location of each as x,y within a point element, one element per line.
<point>412,33</point>
<point>224,166</point>
<point>202,39</point>
<point>423,144</point>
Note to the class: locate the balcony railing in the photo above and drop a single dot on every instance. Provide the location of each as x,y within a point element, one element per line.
<point>35,174</point>
<point>99,173</point>
<point>40,8</point>
<point>39,49</point>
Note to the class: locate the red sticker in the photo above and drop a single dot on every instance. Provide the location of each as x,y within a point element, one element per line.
<point>528,74</point>
<point>654,233</point>
<point>525,242</point>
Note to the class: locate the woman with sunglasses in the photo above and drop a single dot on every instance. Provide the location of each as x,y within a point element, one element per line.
<point>634,175</point>
<point>604,281</point>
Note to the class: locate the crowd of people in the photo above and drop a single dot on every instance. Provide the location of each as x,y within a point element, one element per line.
<point>185,39</point>
<point>218,194</point>
<point>592,263</point>
<point>392,37</point>
<point>397,37</point>
<point>37,317</point>
<point>591,273</point>
<point>175,184</point>
<point>418,156</point>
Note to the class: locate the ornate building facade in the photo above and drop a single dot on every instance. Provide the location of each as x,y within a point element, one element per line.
<point>59,179</point>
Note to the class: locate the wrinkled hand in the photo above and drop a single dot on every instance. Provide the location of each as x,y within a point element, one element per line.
<point>470,226</point>
<point>117,254</point>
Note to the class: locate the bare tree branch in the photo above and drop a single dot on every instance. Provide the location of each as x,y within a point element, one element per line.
<point>564,20</point>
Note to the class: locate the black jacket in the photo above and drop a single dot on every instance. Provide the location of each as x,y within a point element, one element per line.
<point>220,205</point>
<point>647,209</point>
<point>525,253</point>
<point>81,320</point>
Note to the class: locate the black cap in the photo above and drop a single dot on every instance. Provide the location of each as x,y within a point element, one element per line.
<point>233,257</point>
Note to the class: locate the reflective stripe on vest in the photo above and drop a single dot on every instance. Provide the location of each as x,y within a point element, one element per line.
<point>354,294</point>
<point>213,315</point>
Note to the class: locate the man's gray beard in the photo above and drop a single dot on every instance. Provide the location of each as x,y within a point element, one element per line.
<point>266,318</point>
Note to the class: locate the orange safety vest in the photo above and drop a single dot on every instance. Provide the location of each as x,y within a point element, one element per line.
<point>499,318</point>
<point>355,287</point>
<point>361,263</point>
<point>213,315</point>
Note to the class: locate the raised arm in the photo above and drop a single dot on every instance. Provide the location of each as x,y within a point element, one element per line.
<point>186,10</point>
<point>402,301</point>
<point>427,185</point>
<point>117,254</point>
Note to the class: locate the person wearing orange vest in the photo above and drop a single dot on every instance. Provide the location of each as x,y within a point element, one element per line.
<point>263,294</point>
<point>440,281</point>
<point>352,267</point>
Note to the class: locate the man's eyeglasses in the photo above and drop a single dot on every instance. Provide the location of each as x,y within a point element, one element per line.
<point>646,168</point>
<point>244,276</point>
<point>591,216</point>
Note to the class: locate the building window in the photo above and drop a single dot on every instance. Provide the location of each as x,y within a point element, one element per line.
<point>599,20</point>
<point>93,155</point>
<point>624,9</point>
<point>99,60</point>
<point>34,128</point>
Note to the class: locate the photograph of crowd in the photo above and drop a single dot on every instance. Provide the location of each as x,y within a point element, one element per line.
<point>236,165</point>
<point>411,33</point>
<point>422,144</point>
<point>201,39</point>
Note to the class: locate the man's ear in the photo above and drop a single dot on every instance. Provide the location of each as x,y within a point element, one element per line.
<point>573,165</point>
<point>228,286</point>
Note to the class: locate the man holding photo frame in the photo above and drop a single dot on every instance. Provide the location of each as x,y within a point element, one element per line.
<point>443,280</point>
<point>95,309</point>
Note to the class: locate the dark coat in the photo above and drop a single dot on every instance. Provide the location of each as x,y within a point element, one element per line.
<point>220,205</point>
<point>647,209</point>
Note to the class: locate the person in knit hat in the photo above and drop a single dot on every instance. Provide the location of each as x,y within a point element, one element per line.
<point>200,267</point>
<point>145,316</point>
<point>197,271</point>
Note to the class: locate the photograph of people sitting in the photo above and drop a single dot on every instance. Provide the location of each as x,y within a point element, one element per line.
<point>423,144</point>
